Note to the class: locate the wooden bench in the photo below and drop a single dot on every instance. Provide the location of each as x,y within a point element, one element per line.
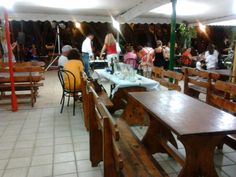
<point>224,101</point>
<point>157,73</point>
<point>162,76</point>
<point>114,143</point>
<point>23,64</point>
<point>26,79</point>
<point>85,99</point>
<point>196,82</point>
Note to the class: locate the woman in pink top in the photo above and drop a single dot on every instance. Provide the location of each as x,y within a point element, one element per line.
<point>130,57</point>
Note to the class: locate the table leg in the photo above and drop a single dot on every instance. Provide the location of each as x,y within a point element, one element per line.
<point>157,132</point>
<point>111,89</point>
<point>199,155</point>
<point>134,113</point>
<point>120,98</point>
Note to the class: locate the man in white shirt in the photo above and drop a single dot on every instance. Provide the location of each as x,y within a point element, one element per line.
<point>63,58</point>
<point>87,52</point>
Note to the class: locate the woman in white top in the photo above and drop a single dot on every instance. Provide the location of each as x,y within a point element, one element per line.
<point>211,57</point>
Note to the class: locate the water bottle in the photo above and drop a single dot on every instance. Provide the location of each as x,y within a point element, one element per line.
<point>112,66</point>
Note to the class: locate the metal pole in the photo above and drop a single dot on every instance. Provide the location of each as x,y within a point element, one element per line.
<point>234,64</point>
<point>58,40</point>
<point>172,35</point>
<point>13,94</point>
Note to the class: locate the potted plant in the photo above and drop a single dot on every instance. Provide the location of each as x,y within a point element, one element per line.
<point>187,33</point>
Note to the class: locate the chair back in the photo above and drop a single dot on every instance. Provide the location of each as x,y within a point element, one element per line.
<point>67,76</point>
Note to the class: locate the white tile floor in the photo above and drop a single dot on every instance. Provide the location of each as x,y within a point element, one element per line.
<point>41,142</point>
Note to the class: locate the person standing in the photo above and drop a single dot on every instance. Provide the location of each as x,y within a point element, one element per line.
<point>87,52</point>
<point>5,49</point>
<point>147,56</point>
<point>211,57</point>
<point>160,55</point>
<point>111,47</point>
<point>63,58</point>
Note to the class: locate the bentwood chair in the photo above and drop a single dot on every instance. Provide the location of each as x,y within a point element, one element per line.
<point>72,91</point>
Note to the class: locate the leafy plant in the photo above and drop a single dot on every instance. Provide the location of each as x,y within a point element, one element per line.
<point>1,31</point>
<point>187,33</point>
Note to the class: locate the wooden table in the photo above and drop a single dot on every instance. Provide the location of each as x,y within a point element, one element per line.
<point>200,127</point>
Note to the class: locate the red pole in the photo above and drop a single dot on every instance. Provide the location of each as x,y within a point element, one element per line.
<point>13,94</point>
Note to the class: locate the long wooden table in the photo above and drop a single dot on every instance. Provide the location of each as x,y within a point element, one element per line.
<point>200,127</point>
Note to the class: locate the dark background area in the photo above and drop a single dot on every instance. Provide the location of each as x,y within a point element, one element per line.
<point>42,33</point>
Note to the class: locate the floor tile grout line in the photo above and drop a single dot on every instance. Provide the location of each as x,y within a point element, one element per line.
<point>71,135</point>
<point>35,141</point>
<point>54,139</point>
<point>12,150</point>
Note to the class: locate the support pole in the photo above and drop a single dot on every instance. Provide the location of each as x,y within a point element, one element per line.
<point>13,94</point>
<point>58,40</point>
<point>172,35</point>
<point>234,64</point>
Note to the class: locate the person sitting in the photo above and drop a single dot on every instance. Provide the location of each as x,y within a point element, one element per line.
<point>74,65</point>
<point>130,57</point>
<point>63,58</point>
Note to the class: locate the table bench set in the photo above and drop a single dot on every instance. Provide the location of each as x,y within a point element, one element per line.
<point>169,114</point>
<point>28,78</point>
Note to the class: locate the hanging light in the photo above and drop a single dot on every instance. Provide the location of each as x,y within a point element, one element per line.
<point>115,24</point>
<point>77,25</point>
<point>202,27</point>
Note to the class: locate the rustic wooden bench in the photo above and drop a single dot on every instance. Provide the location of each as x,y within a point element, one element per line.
<point>157,73</point>
<point>223,101</point>
<point>114,143</point>
<point>85,99</point>
<point>26,79</point>
<point>23,64</point>
<point>171,85</point>
<point>196,82</point>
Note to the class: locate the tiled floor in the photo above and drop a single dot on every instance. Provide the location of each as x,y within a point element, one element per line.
<point>41,142</point>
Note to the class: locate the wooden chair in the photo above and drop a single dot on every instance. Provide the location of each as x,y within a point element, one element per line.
<point>223,101</point>
<point>196,82</point>
<point>115,144</point>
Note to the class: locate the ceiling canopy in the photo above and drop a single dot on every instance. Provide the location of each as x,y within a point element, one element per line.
<point>125,11</point>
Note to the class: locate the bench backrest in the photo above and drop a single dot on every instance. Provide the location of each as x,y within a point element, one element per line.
<point>22,74</point>
<point>176,78</point>
<point>100,119</point>
<point>156,73</point>
<point>221,96</point>
<point>23,64</point>
<point>200,79</point>
<point>85,99</point>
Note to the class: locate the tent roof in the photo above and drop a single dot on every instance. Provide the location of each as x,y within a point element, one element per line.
<point>126,11</point>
